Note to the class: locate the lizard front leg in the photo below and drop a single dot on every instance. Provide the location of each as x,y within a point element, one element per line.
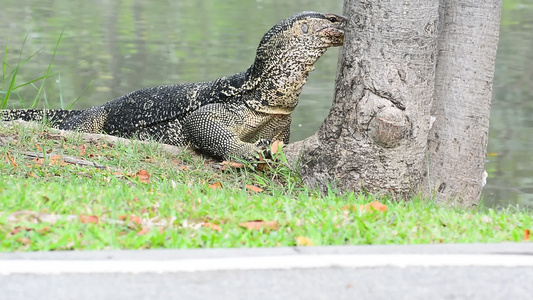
<point>213,130</point>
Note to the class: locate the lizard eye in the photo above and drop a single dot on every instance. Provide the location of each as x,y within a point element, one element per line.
<point>332,19</point>
<point>304,28</point>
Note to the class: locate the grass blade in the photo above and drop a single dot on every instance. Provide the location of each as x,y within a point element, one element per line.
<point>48,74</point>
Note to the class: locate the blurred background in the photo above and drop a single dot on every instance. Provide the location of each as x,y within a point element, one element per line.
<point>98,50</point>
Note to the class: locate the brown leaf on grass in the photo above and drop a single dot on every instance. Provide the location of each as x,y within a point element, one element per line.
<point>147,210</point>
<point>135,219</point>
<point>231,165</point>
<point>53,160</point>
<point>373,206</point>
<point>44,230</point>
<point>179,165</point>
<point>212,226</point>
<point>24,240</point>
<point>262,165</point>
<point>276,147</point>
<point>143,231</point>
<point>303,241</point>
<point>526,234</point>
<point>254,188</point>
<point>350,207</point>
<point>260,224</point>
<point>31,174</point>
<point>38,161</point>
<point>82,150</point>
<point>88,219</point>
<point>216,185</point>
<point>143,176</point>
<point>11,160</point>
<point>19,229</point>
<point>56,160</point>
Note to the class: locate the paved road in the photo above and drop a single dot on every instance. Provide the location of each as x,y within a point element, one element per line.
<point>479,271</point>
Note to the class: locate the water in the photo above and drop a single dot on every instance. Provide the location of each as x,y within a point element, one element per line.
<point>109,48</point>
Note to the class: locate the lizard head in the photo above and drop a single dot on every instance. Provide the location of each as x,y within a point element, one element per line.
<point>318,30</point>
<point>301,39</point>
<point>304,31</point>
<point>286,55</point>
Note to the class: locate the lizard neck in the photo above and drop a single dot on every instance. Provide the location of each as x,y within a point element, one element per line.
<point>278,78</point>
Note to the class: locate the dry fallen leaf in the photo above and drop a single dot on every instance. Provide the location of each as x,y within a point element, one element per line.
<point>254,188</point>
<point>19,229</point>
<point>38,161</point>
<point>147,210</point>
<point>82,150</point>
<point>135,219</point>
<point>55,160</point>
<point>216,185</point>
<point>375,205</point>
<point>348,207</point>
<point>212,226</point>
<point>88,219</point>
<point>276,147</point>
<point>143,176</point>
<point>44,230</point>
<point>31,174</point>
<point>262,165</point>
<point>143,231</point>
<point>24,240</point>
<point>231,165</point>
<point>260,224</point>
<point>303,241</point>
<point>11,160</point>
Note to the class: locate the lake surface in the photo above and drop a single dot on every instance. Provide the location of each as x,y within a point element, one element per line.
<point>109,48</point>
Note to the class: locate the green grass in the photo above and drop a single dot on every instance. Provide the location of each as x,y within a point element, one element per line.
<point>180,210</point>
<point>189,202</point>
<point>12,80</point>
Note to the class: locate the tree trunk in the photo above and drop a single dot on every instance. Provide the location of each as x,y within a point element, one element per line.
<point>375,135</point>
<point>468,39</point>
<point>407,68</point>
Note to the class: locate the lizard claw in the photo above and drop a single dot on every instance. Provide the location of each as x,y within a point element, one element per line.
<point>264,146</point>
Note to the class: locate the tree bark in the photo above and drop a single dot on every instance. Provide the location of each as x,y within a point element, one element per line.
<point>375,135</point>
<point>412,101</point>
<point>468,40</point>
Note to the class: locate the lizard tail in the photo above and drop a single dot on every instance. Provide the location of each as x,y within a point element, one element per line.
<point>54,116</point>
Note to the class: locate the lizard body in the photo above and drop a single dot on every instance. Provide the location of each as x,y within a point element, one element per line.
<point>235,116</point>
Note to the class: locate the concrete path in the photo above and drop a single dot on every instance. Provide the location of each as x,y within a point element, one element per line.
<point>469,271</point>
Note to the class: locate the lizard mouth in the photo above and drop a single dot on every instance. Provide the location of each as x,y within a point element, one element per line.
<point>332,35</point>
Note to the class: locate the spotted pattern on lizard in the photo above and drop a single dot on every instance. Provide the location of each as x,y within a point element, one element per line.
<point>231,117</point>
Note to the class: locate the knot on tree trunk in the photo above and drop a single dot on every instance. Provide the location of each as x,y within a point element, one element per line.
<point>389,127</point>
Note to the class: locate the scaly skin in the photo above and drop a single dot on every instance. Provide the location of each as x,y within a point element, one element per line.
<point>230,117</point>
